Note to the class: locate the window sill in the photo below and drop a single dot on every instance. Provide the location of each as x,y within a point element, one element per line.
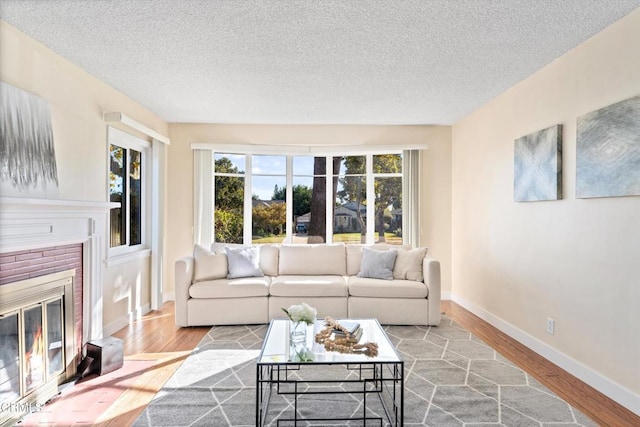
<point>127,257</point>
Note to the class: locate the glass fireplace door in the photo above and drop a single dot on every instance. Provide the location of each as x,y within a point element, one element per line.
<point>42,346</point>
<point>9,358</point>
<point>55,333</point>
<point>34,356</point>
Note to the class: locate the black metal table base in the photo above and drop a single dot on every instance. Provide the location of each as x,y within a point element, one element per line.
<point>383,379</point>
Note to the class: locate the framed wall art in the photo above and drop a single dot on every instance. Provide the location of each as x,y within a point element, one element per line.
<point>28,162</point>
<point>608,151</point>
<point>538,166</point>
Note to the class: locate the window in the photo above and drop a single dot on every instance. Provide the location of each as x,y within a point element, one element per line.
<point>350,212</point>
<point>127,186</point>
<point>268,199</point>
<point>387,188</point>
<point>309,196</point>
<point>284,198</point>
<point>229,197</point>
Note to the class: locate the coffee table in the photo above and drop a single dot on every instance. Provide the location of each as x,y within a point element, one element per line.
<point>381,376</point>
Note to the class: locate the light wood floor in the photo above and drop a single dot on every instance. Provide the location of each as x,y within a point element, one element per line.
<point>155,337</point>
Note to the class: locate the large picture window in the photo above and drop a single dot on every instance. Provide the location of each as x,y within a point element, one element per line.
<point>283,198</point>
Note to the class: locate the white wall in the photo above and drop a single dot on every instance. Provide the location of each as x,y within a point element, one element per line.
<point>575,260</point>
<point>127,293</point>
<point>435,224</point>
<point>77,102</point>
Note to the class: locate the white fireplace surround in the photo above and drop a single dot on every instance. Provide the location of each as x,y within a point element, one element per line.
<point>27,224</point>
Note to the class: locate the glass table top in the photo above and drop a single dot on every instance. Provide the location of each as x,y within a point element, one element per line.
<point>275,349</point>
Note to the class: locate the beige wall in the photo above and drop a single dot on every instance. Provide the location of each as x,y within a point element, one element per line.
<point>77,101</point>
<point>576,260</point>
<point>126,292</point>
<point>435,168</point>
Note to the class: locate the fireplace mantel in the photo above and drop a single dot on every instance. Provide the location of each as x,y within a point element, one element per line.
<point>28,223</point>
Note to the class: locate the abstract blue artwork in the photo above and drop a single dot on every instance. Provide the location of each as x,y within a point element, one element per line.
<point>538,166</point>
<point>608,151</point>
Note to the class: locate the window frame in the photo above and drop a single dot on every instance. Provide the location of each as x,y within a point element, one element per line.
<point>129,142</point>
<point>369,175</point>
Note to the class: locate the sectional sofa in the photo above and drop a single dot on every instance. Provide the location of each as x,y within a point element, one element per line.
<point>329,277</point>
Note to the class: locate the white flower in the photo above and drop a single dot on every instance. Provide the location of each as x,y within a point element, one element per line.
<point>301,313</point>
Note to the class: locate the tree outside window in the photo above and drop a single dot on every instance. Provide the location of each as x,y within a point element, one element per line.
<point>125,187</point>
<point>229,200</point>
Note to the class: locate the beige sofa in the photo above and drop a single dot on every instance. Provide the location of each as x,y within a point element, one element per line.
<point>323,276</point>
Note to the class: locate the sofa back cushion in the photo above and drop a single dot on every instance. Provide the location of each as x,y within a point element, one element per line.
<point>354,259</point>
<point>312,260</point>
<point>268,256</point>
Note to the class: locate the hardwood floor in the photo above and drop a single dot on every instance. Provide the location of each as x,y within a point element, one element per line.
<point>155,337</point>
<point>591,402</point>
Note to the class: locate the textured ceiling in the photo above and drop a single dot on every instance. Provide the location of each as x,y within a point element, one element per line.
<point>320,62</point>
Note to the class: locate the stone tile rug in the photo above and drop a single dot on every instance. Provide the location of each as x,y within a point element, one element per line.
<point>451,379</point>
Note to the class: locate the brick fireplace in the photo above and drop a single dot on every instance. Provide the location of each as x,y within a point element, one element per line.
<point>51,280</point>
<point>23,265</point>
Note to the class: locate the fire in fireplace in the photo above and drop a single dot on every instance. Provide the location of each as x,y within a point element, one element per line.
<point>36,341</point>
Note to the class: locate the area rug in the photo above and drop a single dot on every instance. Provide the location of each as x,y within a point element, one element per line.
<point>451,379</point>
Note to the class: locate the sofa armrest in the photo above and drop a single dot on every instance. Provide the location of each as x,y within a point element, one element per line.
<point>183,278</point>
<point>431,270</point>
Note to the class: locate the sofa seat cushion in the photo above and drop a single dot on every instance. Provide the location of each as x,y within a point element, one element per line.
<point>231,288</point>
<point>378,288</point>
<point>309,286</point>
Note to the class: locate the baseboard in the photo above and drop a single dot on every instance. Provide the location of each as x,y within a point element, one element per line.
<point>115,326</point>
<point>613,390</point>
<point>445,296</point>
<point>124,321</point>
<point>168,296</point>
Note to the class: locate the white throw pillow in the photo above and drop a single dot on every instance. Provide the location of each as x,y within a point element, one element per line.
<point>377,264</point>
<point>207,265</point>
<point>409,264</point>
<point>268,255</point>
<point>244,262</point>
<point>354,254</point>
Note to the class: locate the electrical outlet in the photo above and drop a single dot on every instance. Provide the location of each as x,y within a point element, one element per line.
<point>551,325</point>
